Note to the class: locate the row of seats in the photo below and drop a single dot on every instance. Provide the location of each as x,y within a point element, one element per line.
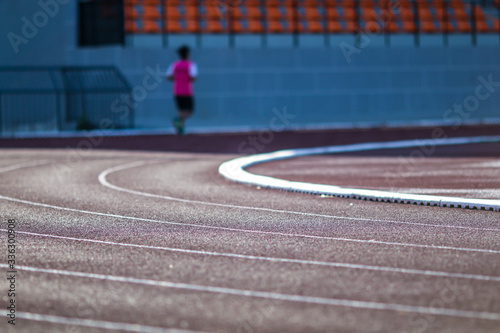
<point>309,27</point>
<point>307,16</point>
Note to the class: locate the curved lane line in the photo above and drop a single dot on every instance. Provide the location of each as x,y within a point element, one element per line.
<point>234,170</point>
<point>249,230</point>
<point>23,165</point>
<point>280,260</point>
<point>103,180</point>
<point>248,293</point>
<point>272,295</point>
<point>101,324</point>
<point>370,241</point>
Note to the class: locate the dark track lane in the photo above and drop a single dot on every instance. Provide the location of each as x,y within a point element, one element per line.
<point>192,177</point>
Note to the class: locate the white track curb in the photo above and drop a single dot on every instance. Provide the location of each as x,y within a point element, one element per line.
<point>234,170</point>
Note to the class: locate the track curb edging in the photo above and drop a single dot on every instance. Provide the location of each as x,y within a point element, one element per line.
<point>234,170</point>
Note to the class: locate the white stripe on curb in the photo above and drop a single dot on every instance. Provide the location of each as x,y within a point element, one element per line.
<point>234,170</point>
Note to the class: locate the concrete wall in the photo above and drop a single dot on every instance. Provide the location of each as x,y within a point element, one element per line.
<point>337,85</point>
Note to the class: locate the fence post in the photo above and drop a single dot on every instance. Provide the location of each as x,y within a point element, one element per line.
<point>265,25</point>
<point>444,22</point>
<point>387,28</point>
<point>229,13</point>
<point>498,27</point>
<point>198,24</point>
<point>295,23</point>
<point>164,23</point>
<point>416,20</point>
<point>473,23</point>
<point>357,28</point>
<point>326,22</point>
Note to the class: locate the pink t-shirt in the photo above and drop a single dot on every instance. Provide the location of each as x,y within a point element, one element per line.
<point>183,71</point>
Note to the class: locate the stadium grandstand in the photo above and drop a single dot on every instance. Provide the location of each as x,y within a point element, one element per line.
<point>310,16</point>
<point>330,63</point>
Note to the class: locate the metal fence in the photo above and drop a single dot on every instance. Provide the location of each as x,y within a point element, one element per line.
<point>41,99</point>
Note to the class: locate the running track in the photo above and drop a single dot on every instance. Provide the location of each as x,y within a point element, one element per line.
<point>160,242</point>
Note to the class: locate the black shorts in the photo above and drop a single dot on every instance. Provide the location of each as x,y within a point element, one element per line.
<point>185,103</point>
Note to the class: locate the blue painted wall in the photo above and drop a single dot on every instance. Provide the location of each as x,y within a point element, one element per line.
<point>319,86</point>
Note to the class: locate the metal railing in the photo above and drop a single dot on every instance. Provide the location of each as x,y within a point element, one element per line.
<point>40,99</point>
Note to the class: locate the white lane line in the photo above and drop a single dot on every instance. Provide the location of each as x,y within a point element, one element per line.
<point>107,325</point>
<point>352,240</point>
<point>280,260</point>
<point>276,296</point>
<point>22,165</point>
<point>247,230</point>
<point>103,180</point>
<point>234,170</point>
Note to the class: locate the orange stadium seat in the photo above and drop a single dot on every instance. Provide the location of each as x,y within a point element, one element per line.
<point>405,4</point>
<point>172,26</point>
<point>236,27</point>
<point>275,27</point>
<point>406,14</point>
<point>314,27</point>
<point>212,12</point>
<point>482,26</point>
<point>350,26</point>
<point>214,26</point>
<point>479,14</point>
<point>422,3</point>
<point>460,14</point>
<point>456,4</point>
<point>131,12</point>
<point>496,25</point>
<point>313,3</point>
<point>366,3</point>
<point>290,12</point>
<point>273,13</point>
<point>255,26</point>
<point>428,27</point>
<point>392,27</point>
<point>348,13</point>
<point>151,12</point>
<point>252,3</point>
<point>424,14</point>
<point>311,14</point>
<point>235,13</point>
<point>369,14</point>
<point>253,12</point>
<point>271,3</point>
<point>150,26</point>
<point>332,14</point>
<point>447,27</point>
<point>346,4</point>
<point>334,27</point>
<point>190,12</point>
<point>441,13</point>
<point>408,26</point>
<point>172,12</point>
<point>463,26</point>
<point>192,26</point>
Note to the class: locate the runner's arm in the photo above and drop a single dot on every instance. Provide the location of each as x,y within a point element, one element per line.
<point>170,72</point>
<point>193,72</point>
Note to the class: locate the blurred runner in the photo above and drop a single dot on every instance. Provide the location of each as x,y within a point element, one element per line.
<point>183,72</point>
